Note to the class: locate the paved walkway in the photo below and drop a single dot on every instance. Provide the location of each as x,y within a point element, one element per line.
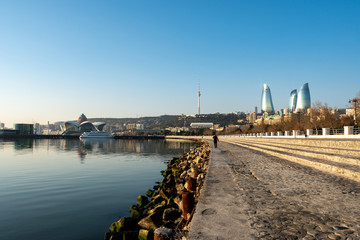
<point>251,195</point>
<point>221,212</point>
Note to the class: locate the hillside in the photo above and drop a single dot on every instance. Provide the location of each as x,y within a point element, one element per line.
<point>174,120</point>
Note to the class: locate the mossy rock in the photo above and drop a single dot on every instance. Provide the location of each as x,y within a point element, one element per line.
<point>113,236</point>
<point>135,213</point>
<point>150,193</point>
<point>107,236</point>
<point>130,235</point>
<point>145,234</point>
<point>166,172</point>
<point>126,223</point>
<point>142,201</point>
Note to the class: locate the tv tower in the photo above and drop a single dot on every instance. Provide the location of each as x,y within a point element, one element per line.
<point>199,99</point>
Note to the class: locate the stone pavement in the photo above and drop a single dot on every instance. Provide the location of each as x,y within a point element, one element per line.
<point>252,195</point>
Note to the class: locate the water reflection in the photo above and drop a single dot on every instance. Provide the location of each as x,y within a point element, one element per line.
<point>86,147</point>
<point>43,184</point>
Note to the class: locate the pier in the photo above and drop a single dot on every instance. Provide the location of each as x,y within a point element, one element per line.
<point>280,189</point>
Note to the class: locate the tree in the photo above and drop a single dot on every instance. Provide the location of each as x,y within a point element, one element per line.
<point>355,102</point>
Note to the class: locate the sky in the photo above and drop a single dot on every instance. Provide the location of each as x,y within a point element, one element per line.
<point>135,58</point>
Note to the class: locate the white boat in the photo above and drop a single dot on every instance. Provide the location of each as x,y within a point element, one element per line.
<point>96,134</point>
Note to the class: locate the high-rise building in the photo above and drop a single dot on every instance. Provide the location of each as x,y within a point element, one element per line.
<point>266,100</point>
<point>303,99</point>
<point>292,101</point>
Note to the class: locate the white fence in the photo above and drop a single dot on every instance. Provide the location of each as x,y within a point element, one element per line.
<point>346,132</point>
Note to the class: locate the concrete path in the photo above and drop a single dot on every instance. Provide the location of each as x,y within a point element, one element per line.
<point>252,195</point>
<point>221,212</point>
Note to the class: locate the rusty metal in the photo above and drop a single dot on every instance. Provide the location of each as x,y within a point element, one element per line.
<point>192,184</point>
<point>188,203</point>
<point>196,173</point>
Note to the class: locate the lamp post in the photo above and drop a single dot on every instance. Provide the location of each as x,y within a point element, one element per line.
<point>354,101</point>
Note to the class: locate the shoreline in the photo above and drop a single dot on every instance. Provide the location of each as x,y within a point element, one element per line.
<point>167,210</point>
<point>15,137</point>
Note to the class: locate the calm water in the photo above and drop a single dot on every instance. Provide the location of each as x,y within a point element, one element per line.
<point>70,189</point>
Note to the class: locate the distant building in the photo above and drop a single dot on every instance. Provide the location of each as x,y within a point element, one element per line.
<point>139,126</point>
<point>130,126</point>
<point>303,101</point>
<point>178,129</point>
<point>251,118</point>
<point>292,100</point>
<point>201,125</point>
<point>80,126</point>
<point>37,128</point>
<point>2,125</point>
<point>7,132</point>
<point>82,118</point>
<point>24,128</point>
<point>287,111</point>
<point>266,100</point>
<point>350,111</point>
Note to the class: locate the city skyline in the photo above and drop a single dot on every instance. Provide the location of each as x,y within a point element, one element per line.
<point>140,58</point>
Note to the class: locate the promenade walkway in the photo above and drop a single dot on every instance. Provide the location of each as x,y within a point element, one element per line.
<point>255,194</point>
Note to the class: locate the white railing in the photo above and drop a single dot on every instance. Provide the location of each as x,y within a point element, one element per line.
<point>346,132</point>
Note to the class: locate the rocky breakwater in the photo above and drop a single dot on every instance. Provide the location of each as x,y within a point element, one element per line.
<point>166,210</point>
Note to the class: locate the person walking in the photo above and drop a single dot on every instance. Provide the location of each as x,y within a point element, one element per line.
<point>216,139</point>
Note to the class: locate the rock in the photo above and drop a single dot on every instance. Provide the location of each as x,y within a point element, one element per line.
<point>171,214</point>
<point>142,201</point>
<point>178,202</point>
<point>135,211</point>
<point>164,233</point>
<point>150,193</point>
<point>157,200</point>
<point>179,188</point>
<point>107,236</point>
<point>152,221</point>
<point>145,234</point>
<point>165,208</point>
<point>126,223</point>
<point>166,173</point>
<point>183,175</point>
<point>164,194</point>
<point>130,235</point>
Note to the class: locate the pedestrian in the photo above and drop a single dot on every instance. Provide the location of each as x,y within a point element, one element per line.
<point>216,139</point>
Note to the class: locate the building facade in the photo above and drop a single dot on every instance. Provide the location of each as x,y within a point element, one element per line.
<point>303,99</point>
<point>292,100</point>
<point>266,100</point>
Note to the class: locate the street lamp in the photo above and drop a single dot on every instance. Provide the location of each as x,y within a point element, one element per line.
<point>354,101</point>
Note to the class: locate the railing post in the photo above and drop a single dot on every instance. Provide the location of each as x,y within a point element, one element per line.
<point>348,130</point>
<point>287,133</point>
<point>280,133</point>
<point>326,131</point>
<point>296,133</point>
<point>309,132</point>
<point>272,133</point>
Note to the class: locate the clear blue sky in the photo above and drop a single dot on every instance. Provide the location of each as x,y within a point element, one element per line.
<point>59,59</point>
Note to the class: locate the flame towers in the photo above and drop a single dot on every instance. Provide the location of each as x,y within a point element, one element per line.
<point>303,101</point>
<point>266,100</point>
<point>292,101</point>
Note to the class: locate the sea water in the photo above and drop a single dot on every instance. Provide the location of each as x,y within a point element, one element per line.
<point>72,189</point>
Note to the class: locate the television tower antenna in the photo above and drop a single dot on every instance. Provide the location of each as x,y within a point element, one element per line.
<point>199,99</point>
